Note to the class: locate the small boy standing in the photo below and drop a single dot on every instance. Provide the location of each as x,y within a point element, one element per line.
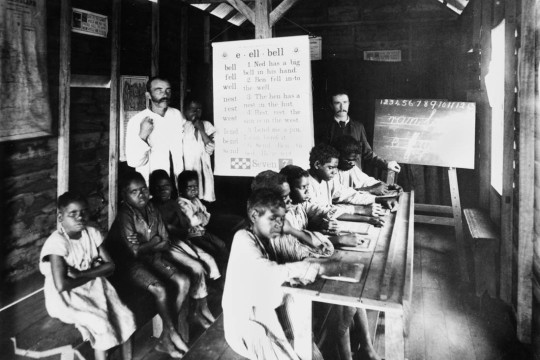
<point>75,265</point>
<point>255,274</point>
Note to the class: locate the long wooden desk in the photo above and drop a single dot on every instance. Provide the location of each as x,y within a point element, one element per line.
<point>385,285</point>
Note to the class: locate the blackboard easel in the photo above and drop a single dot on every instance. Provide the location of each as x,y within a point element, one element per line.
<point>432,133</point>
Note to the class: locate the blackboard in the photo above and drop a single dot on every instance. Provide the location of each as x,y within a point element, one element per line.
<point>425,132</point>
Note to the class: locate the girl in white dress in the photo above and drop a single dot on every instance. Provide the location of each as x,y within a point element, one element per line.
<point>75,265</point>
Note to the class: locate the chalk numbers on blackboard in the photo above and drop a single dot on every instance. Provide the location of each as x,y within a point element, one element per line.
<point>433,104</point>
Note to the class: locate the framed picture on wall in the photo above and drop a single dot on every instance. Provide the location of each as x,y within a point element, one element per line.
<point>132,100</point>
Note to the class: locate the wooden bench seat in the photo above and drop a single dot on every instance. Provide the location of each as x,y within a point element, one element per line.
<point>211,345</point>
<point>485,249</point>
<point>27,329</point>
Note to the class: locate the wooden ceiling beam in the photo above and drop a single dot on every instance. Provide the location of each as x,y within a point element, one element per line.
<point>242,8</point>
<point>280,10</point>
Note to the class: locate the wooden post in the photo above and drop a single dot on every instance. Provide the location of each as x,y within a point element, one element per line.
<point>527,241</point>
<point>206,39</point>
<point>154,62</point>
<point>507,196</point>
<point>114,132</point>
<point>262,19</point>
<point>64,96</point>
<point>183,54</point>
<point>484,164</point>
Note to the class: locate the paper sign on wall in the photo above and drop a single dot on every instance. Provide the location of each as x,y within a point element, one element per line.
<point>262,105</point>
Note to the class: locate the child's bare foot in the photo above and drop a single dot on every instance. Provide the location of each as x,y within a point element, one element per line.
<point>205,311</point>
<point>201,320</point>
<point>166,346</point>
<point>178,342</point>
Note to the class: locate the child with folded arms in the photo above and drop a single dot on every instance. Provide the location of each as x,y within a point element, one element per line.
<point>75,265</point>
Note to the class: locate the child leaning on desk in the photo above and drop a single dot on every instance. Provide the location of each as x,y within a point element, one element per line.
<point>304,214</point>
<point>350,175</point>
<point>253,297</point>
<point>75,265</point>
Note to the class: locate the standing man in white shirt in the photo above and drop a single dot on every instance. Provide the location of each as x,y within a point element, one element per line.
<point>154,136</point>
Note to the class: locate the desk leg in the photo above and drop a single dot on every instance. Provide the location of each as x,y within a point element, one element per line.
<point>299,310</point>
<point>394,336</point>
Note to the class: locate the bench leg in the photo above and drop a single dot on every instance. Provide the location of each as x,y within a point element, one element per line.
<point>299,310</point>
<point>393,336</point>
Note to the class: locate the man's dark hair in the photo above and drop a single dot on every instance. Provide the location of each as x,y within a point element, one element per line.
<point>335,92</point>
<point>268,179</point>
<point>128,178</point>
<point>346,145</point>
<point>186,176</point>
<point>323,153</point>
<point>149,82</point>
<point>69,197</point>
<point>293,173</point>
<point>263,199</point>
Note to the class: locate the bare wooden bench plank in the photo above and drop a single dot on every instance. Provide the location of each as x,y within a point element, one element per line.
<point>485,245</point>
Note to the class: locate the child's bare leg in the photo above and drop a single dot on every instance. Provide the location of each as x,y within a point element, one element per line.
<point>183,283</point>
<point>100,354</point>
<point>127,350</point>
<point>366,350</point>
<point>169,332</point>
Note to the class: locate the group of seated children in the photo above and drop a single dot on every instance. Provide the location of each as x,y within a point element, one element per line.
<point>159,242</point>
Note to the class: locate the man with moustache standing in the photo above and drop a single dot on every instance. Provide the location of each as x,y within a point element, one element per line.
<point>343,125</point>
<point>154,136</point>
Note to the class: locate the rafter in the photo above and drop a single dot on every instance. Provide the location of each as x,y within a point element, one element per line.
<point>245,10</point>
<point>280,10</point>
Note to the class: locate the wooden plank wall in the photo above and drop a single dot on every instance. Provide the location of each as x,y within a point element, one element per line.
<point>528,264</point>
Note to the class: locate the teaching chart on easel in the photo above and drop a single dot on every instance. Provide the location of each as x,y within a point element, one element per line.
<point>425,132</point>
<point>263,110</point>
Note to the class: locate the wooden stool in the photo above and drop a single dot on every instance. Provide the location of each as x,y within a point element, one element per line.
<point>485,249</point>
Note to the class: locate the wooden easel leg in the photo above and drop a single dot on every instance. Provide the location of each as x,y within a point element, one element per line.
<point>458,224</point>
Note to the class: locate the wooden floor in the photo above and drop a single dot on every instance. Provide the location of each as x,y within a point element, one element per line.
<point>447,322</point>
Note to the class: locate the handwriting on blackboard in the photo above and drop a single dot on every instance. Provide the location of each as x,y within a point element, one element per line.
<point>425,132</point>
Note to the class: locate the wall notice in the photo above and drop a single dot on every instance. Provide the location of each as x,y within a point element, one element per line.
<point>262,105</point>
<point>24,95</point>
<point>133,100</point>
<point>425,132</point>
<point>89,23</point>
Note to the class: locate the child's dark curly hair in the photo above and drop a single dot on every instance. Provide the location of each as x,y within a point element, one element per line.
<point>184,177</point>
<point>322,153</point>
<point>293,173</point>
<point>70,197</point>
<point>346,145</point>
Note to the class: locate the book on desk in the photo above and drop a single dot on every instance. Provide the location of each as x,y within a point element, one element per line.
<point>356,227</point>
<point>346,272</point>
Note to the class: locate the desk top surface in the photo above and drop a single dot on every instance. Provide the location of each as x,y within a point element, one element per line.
<point>387,270</point>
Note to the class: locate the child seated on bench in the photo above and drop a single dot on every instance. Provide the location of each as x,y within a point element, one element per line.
<point>139,238</point>
<point>253,285</point>
<point>195,211</point>
<point>323,162</point>
<point>75,265</point>
<point>303,214</point>
<point>196,261</point>
<point>298,238</point>
<point>350,175</point>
